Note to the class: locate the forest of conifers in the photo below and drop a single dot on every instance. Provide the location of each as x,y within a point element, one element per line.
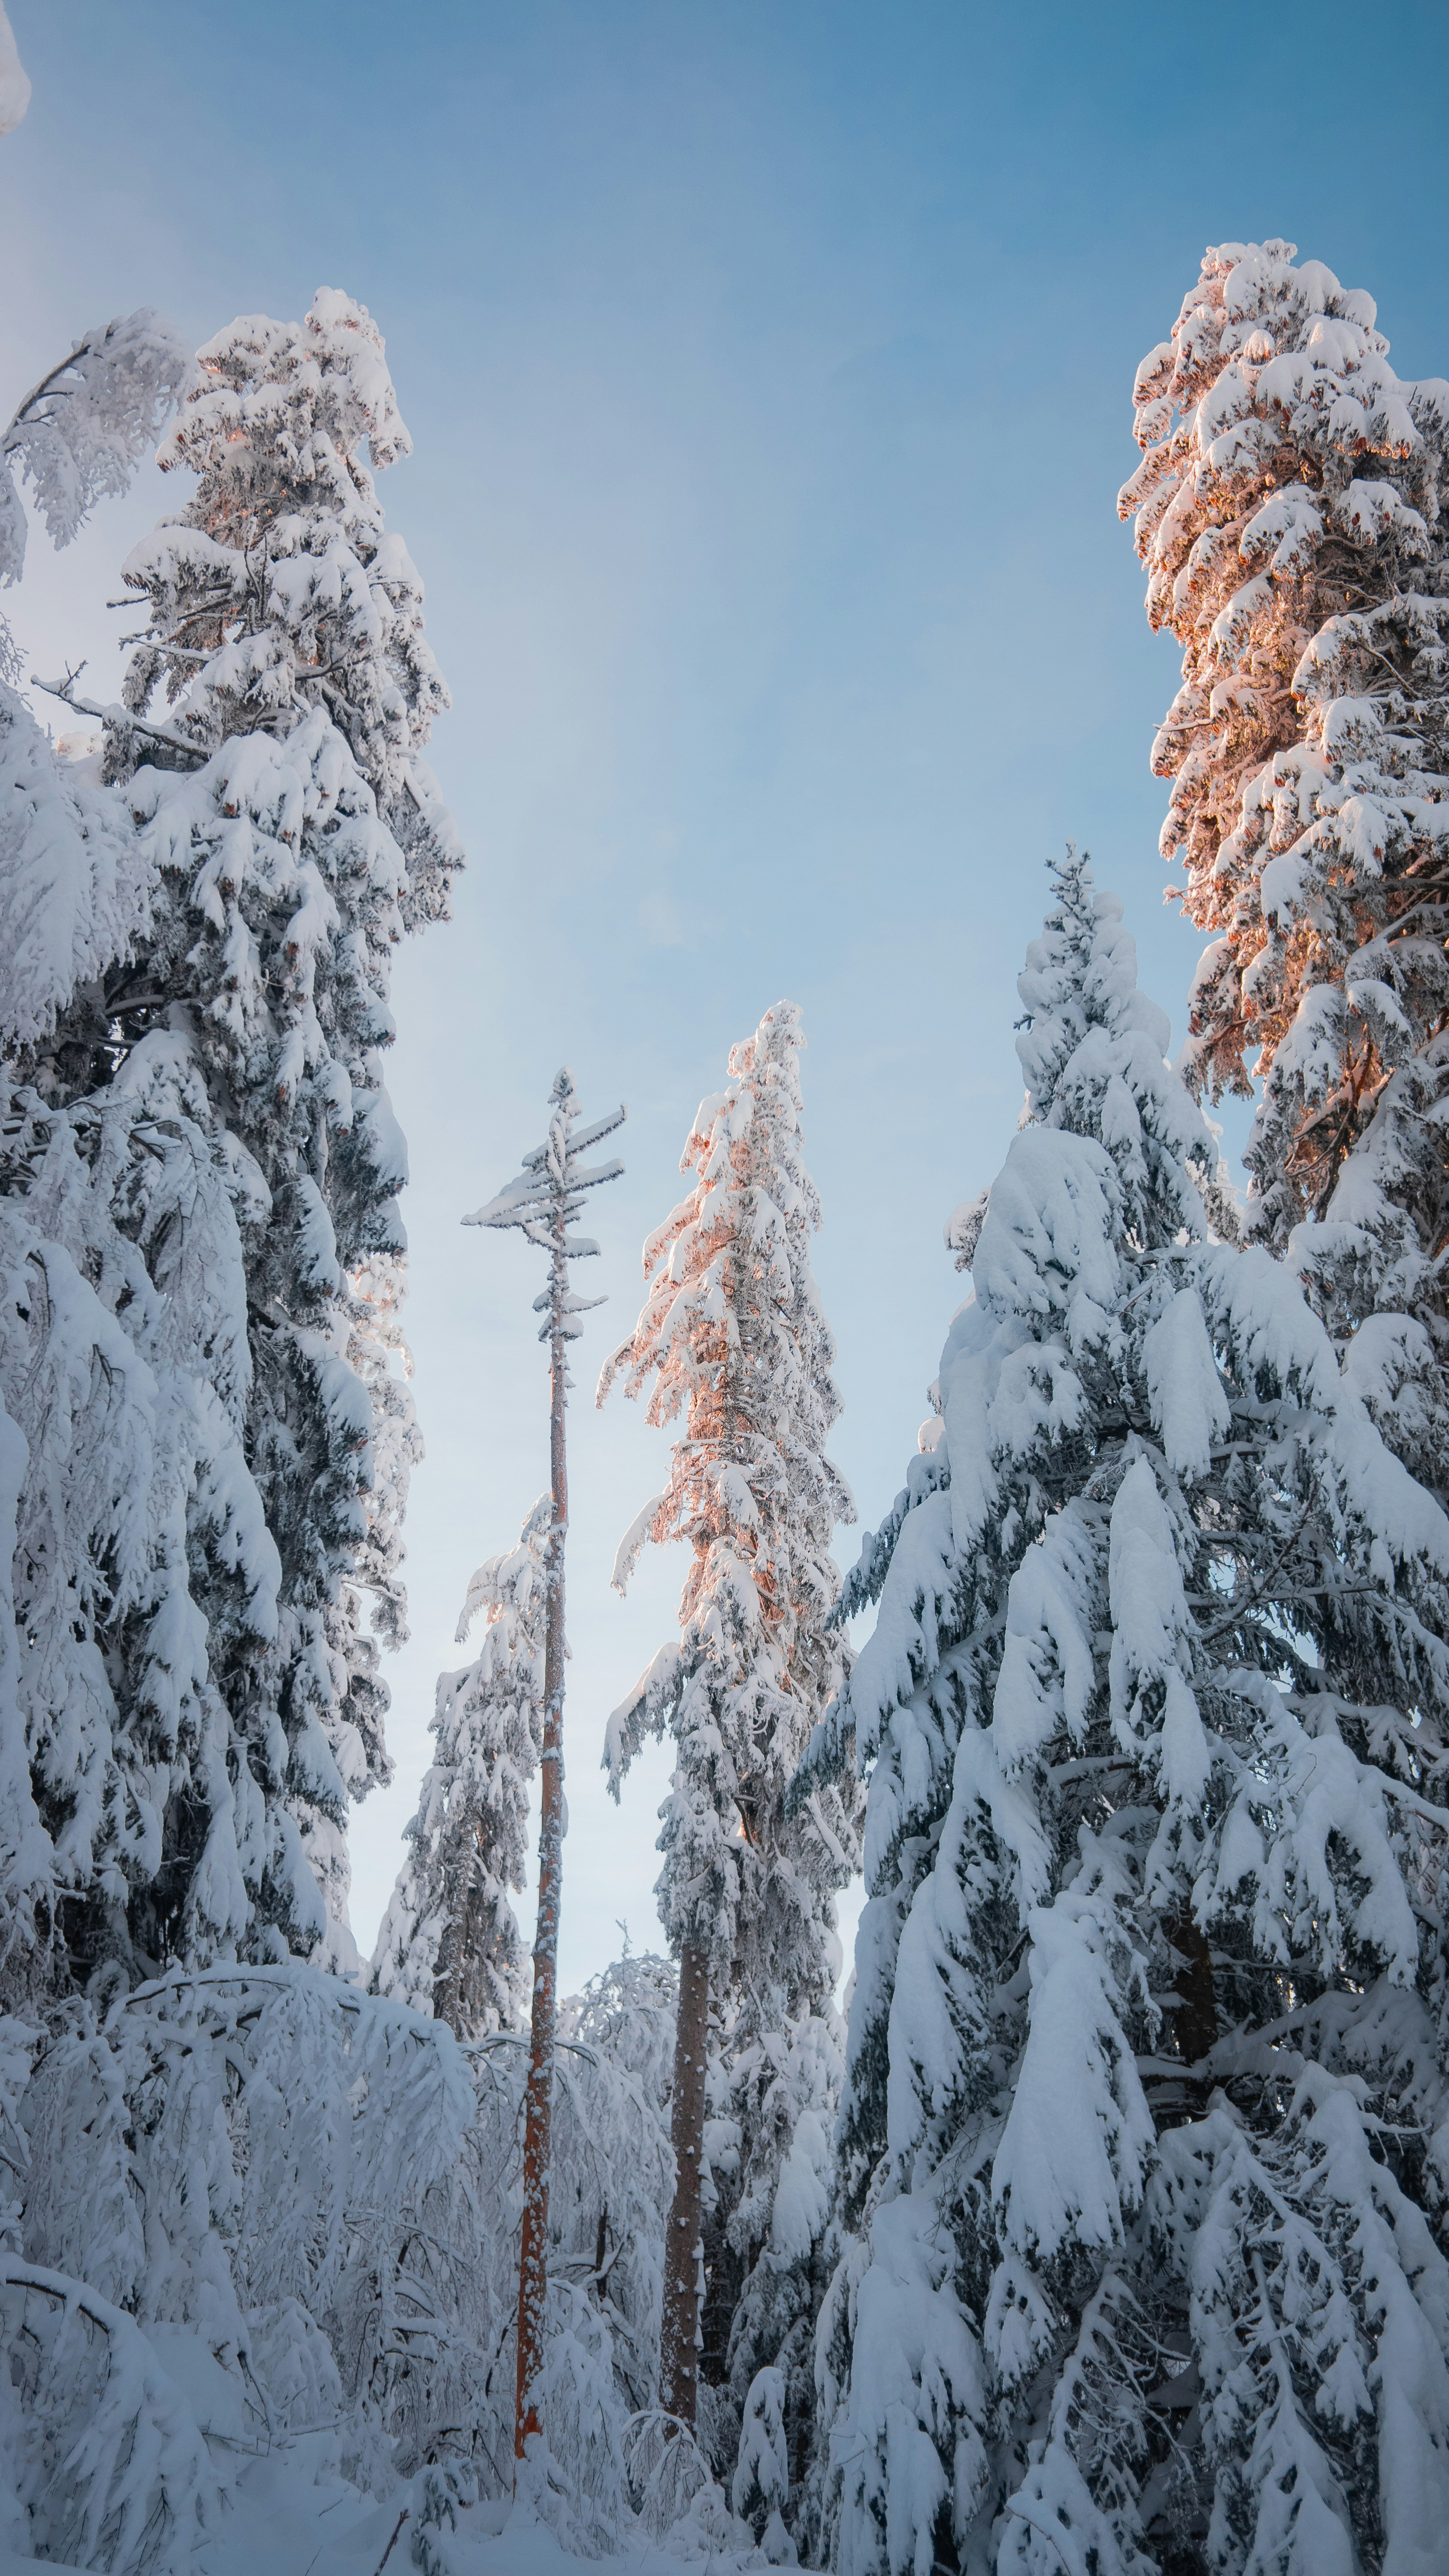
<point>1095,2215</point>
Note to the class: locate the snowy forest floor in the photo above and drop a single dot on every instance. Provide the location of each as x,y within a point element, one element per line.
<point>285,2526</point>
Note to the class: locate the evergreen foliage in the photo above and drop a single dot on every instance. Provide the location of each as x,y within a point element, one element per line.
<point>1143,2136</point>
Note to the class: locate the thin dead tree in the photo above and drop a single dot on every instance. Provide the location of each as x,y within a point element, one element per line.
<point>543,1202</point>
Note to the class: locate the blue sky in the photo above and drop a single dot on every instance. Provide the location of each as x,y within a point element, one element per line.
<point>768,368</point>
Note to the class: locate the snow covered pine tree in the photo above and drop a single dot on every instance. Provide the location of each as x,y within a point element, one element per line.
<point>450,1942</point>
<point>227,1057</point>
<point>1288,511</point>
<point>732,1335</point>
<point>1147,2126</point>
<point>197,951</point>
<point>94,1440</point>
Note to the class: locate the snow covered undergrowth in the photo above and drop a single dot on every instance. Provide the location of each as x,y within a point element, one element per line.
<point>258,2249</point>
<point>286,2527</point>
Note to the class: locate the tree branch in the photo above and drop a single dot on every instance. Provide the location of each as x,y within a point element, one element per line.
<point>120,716</point>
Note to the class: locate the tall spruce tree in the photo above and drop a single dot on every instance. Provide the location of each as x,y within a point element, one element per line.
<point>732,1337</point>
<point>1145,2143</point>
<point>450,1942</point>
<point>1288,509</point>
<point>118,1370</point>
<point>197,1110</point>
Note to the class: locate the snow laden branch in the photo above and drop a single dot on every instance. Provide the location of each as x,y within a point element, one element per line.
<point>543,1202</point>
<point>80,433</point>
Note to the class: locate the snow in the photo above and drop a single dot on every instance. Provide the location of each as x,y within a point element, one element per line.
<point>75,882</point>
<point>284,2523</point>
<point>1071,2160</point>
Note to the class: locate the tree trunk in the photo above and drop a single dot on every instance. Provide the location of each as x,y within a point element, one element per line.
<point>679,2350</point>
<point>1196,2019</point>
<point>538,2118</point>
<point>1194,2024</point>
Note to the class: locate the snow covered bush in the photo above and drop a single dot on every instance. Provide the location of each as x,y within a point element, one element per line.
<point>199,1190</point>
<point>450,1941</point>
<point>255,2207</point>
<point>1143,2148</point>
<point>732,1337</point>
<point>1288,511</point>
<point>231,2212</point>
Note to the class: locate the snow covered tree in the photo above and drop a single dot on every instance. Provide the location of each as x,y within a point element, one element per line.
<point>142,1565</point>
<point>543,1201</point>
<point>1288,510</point>
<point>120,1370</point>
<point>195,1054</point>
<point>732,1336</point>
<point>1145,2143</point>
<point>772,2243</point>
<point>450,1942</point>
<point>278,590</point>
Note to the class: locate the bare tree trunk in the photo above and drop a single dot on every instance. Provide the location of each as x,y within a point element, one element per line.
<point>679,2347</point>
<point>541,1200</point>
<point>538,2118</point>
